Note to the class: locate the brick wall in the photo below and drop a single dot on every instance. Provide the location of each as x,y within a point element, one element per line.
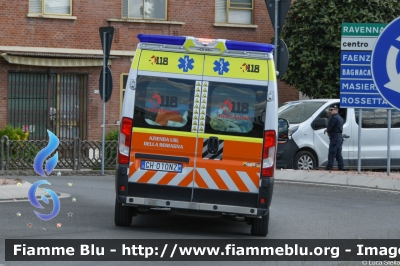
<point>94,110</point>
<point>83,33</point>
<point>3,94</point>
<point>286,93</point>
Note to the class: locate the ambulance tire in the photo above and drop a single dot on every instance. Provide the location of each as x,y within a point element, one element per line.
<point>259,227</point>
<point>123,214</point>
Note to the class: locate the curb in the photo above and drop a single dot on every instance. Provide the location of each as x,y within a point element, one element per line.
<point>20,199</point>
<point>336,185</point>
<point>341,179</point>
<point>12,173</point>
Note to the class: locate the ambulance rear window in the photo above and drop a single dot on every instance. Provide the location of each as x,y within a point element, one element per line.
<point>232,109</point>
<point>167,103</point>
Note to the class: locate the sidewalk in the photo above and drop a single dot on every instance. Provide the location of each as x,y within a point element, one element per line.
<point>366,179</point>
<point>12,189</point>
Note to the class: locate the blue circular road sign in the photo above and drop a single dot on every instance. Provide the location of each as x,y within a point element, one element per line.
<point>385,63</point>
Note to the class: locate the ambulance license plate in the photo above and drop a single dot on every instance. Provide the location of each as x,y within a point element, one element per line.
<point>161,166</point>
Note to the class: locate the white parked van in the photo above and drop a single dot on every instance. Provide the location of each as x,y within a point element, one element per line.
<point>307,147</point>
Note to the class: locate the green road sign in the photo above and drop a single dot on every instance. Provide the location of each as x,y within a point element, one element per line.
<point>362,29</point>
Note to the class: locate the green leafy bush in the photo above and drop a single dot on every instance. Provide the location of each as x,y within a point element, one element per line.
<point>14,133</point>
<point>112,135</point>
<point>312,32</point>
<point>111,154</point>
<point>21,151</point>
<point>25,151</point>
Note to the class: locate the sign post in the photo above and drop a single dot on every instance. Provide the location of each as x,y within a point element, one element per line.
<point>106,35</point>
<point>283,58</point>
<point>386,63</point>
<point>357,87</point>
<point>388,142</point>
<point>278,10</point>
<point>385,70</point>
<point>277,31</point>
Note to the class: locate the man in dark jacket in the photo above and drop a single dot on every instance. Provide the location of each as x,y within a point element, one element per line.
<point>335,129</point>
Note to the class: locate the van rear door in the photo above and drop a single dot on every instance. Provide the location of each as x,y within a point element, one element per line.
<point>163,141</point>
<point>229,149</point>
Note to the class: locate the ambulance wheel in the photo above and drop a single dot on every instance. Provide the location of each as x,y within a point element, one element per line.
<point>123,214</point>
<point>304,160</point>
<point>259,227</point>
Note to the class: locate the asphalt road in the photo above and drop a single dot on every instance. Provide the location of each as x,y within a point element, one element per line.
<point>298,212</point>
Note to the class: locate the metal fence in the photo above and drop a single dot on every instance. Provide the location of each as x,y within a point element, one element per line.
<point>39,101</point>
<point>73,154</point>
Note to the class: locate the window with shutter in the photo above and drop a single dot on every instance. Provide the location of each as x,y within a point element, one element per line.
<point>144,9</point>
<point>50,7</point>
<point>234,11</point>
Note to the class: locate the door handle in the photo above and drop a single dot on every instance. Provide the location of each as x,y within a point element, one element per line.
<point>213,145</point>
<point>345,136</point>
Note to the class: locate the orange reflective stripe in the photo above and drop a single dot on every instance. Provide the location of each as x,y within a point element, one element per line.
<point>255,178</point>
<point>132,170</point>
<point>200,182</point>
<point>146,177</point>
<point>186,181</point>
<point>167,178</point>
<point>237,180</point>
<point>217,179</point>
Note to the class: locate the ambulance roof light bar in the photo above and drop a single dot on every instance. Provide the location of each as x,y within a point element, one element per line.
<point>249,46</point>
<point>205,41</point>
<point>162,39</point>
<point>230,45</point>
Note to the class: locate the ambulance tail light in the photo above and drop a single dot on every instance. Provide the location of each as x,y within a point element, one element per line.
<point>124,141</point>
<point>269,154</point>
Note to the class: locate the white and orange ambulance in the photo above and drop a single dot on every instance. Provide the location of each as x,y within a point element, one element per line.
<point>198,132</point>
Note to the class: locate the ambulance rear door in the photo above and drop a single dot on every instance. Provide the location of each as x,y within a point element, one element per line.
<point>163,145</point>
<point>231,128</point>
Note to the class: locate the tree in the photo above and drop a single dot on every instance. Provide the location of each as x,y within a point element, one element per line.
<point>312,33</point>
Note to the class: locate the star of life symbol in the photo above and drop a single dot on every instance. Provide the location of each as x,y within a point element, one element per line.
<point>221,66</point>
<point>392,71</point>
<point>186,63</point>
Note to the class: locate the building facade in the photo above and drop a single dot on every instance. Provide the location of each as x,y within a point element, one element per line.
<point>51,54</point>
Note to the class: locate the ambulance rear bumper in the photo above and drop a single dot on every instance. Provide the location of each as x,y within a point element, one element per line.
<point>248,211</point>
<point>223,202</point>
